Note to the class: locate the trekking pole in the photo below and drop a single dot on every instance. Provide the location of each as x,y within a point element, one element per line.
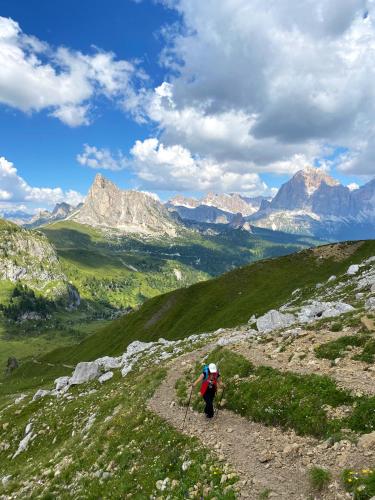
<point>187,408</point>
<point>219,405</point>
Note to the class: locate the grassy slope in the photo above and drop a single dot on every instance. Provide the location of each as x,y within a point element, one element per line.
<point>132,447</point>
<point>123,271</point>
<point>102,268</point>
<point>222,302</point>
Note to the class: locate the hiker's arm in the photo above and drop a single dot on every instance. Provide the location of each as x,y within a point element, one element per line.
<point>199,379</point>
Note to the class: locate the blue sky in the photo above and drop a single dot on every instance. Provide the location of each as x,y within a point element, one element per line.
<point>179,81</point>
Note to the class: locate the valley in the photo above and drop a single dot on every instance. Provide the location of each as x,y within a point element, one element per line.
<point>62,280</point>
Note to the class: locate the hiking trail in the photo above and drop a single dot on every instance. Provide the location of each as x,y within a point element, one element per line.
<point>265,458</point>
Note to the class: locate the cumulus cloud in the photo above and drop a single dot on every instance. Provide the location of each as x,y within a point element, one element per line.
<point>353,186</point>
<point>97,158</point>
<point>264,86</point>
<point>15,190</point>
<point>175,168</point>
<point>35,76</point>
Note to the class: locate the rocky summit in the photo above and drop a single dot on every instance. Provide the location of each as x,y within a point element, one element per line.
<point>314,203</point>
<point>108,207</point>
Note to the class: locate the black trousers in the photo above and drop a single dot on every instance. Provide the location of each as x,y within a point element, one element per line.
<point>209,397</point>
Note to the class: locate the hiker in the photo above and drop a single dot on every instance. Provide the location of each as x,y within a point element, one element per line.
<point>210,378</point>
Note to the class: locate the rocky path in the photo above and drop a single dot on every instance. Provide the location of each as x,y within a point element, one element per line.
<point>265,458</point>
<point>299,357</point>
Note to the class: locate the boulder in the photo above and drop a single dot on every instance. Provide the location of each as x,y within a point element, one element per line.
<point>370,304</point>
<point>84,372</point>
<point>367,441</point>
<point>41,393</point>
<point>331,278</point>
<point>61,383</point>
<point>353,269</point>
<point>106,376</point>
<point>317,310</point>
<point>107,363</point>
<point>274,320</point>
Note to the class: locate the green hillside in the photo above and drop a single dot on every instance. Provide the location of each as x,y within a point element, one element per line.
<point>226,301</point>
<point>117,271</point>
<point>109,438</point>
<point>111,272</point>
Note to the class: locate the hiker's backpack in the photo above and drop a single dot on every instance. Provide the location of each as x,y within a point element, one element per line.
<point>209,380</point>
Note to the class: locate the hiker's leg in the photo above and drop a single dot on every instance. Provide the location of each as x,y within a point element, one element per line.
<point>210,402</point>
<point>207,401</point>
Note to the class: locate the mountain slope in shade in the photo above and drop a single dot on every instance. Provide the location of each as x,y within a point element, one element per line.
<point>109,207</point>
<point>298,192</point>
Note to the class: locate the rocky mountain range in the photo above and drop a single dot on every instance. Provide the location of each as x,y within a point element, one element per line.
<point>311,203</point>
<point>314,203</point>
<point>60,212</point>
<point>215,208</point>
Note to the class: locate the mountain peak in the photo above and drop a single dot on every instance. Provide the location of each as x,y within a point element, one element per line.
<point>127,211</point>
<point>313,178</point>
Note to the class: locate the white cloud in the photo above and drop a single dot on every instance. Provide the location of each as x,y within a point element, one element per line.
<point>173,168</point>
<point>15,190</point>
<point>35,76</point>
<point>353,186</point>
<point>97,158</point>
<point>264,86</point>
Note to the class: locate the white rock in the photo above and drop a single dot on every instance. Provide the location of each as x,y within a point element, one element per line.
<point>5,480</point>
<point>84,372</point>
<point>370,304</point>
<point>41,393</point>
<point>317,310</point>
<point>353,269</point>
<point>186,465</point>
<point>23,444</point>
<point>107,363</point>
<point>273,320</point>
<point>28,428</point>
<point>89,423</point>
<point>19,399</point>
<point>106,376</point>
<point>331,278</point>
<point>61,383</point>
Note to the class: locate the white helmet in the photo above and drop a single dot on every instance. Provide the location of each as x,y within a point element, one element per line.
<point>212,368</point>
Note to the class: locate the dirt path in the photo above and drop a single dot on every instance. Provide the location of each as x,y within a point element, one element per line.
<point>264,457</point>
<point>299,357</point>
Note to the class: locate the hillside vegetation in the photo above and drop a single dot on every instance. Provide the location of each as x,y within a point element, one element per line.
<point>121,432</point>
<point>113,270</point>
<point>223,302</point>
<point>226,301</point>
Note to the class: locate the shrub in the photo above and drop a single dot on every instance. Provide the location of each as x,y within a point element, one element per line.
<point>319,478</point>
